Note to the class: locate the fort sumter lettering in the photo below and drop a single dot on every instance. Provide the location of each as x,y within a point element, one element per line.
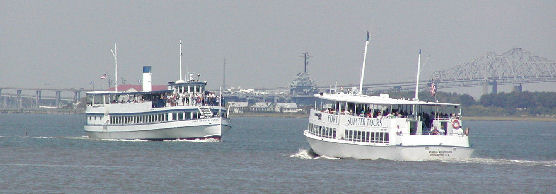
<point>332,118</point>
<point>364,122</point>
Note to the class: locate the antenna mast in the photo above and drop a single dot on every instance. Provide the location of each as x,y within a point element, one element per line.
<point>180,64</point>
<point>418,72</point>
<point>306,56</point>
<point>115,54</point>
<point>224,75</point>
<point>363,68</point>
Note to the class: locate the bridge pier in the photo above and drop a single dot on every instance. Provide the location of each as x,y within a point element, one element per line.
<point>490,87</point>
<point>58,98</point>
<point>38,98</point>
<point>76,96</point>
<point>19,101</point>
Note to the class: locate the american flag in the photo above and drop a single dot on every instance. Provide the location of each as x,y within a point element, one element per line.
<point>433,89</point>
<point>103,76</point>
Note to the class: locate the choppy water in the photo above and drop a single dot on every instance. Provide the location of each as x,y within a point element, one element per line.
<point>49,153</point>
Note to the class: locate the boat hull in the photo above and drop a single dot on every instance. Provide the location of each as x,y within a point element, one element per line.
<point>183,130</point>
<point>398,153</point>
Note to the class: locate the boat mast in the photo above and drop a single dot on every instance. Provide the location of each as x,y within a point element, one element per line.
<point>224,75</point>
<point>220,104</point>
<point>115,54</point>
<point>363,68</point>
<point>181,80</point>
<point>418,72</point>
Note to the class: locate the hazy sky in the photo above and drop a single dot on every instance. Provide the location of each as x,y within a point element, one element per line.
<point>67,43</point>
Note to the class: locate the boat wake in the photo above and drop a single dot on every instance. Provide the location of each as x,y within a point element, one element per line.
<point>195,140</point>
<point>126,140</point>
<point>308,154</point>
<point>80,137</point>
<point>505,162</point>
<point>41,137</point>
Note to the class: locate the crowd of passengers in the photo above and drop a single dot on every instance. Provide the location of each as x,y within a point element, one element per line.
<point>162,100</point>
<point>207,99</point>
<point>394,114</point>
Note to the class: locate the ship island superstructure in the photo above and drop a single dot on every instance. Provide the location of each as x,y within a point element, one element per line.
<point>186,110</point>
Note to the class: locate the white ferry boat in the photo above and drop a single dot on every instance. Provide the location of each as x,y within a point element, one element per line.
<point>379,127</point>
<point>184,111</point>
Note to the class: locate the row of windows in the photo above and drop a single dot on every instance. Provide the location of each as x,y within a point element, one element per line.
<point>366,136</point>
<point>150,118</point>
<point>180,116</point>
<point>322,131</point>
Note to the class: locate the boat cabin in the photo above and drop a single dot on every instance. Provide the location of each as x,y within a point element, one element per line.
<point>408,116</point>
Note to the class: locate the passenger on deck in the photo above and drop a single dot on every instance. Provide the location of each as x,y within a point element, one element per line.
<point>435,131</point>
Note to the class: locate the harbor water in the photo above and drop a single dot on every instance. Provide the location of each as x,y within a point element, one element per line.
<point>50,153</point>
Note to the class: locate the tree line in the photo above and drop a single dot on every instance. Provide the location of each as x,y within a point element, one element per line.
<point>500,104</point>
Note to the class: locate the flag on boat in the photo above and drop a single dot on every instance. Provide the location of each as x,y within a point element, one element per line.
<point>103,76</point>
<point>368,36</point>
<point>433,89</point>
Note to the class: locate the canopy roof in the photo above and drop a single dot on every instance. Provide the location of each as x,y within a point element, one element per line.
<point>382,99</point>
<point>120,93</point>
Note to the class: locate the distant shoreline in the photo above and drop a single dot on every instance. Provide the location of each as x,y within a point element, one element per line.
<point>509,118</point>
<point>270,114</point>
<point>42,111</point>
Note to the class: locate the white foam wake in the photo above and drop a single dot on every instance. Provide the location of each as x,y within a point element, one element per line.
<point>41,137</point>
<point>549,163</point>
<point>127,140</point>
<point>195,140</point>
<point>80,137</point>
<point>308,154</point>
<point>303,154</point>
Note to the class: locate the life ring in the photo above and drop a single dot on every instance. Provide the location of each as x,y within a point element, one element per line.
<point>456,124</point>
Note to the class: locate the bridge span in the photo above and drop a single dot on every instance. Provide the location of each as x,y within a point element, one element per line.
<point>33,98</point>
<point>515,67</point>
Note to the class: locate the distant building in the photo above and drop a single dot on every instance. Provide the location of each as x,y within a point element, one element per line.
<point>286,108</point>
<point>262,107</point>
<point>238,107</point>
<point>243,107</point>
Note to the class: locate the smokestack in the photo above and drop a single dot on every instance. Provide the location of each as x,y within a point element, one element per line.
<point>147,83</point>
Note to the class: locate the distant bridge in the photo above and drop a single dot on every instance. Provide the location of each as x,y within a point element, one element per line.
<point>33,98</point>
<point>516,66</point>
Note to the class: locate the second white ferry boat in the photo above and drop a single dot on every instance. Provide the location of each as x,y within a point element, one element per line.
<point>184,111</point>
<point>379,127</point>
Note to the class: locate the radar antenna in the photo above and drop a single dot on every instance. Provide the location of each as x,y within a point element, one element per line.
<point>306,56</point>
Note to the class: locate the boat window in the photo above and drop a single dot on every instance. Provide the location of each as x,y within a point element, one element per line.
<point>367,136</point>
